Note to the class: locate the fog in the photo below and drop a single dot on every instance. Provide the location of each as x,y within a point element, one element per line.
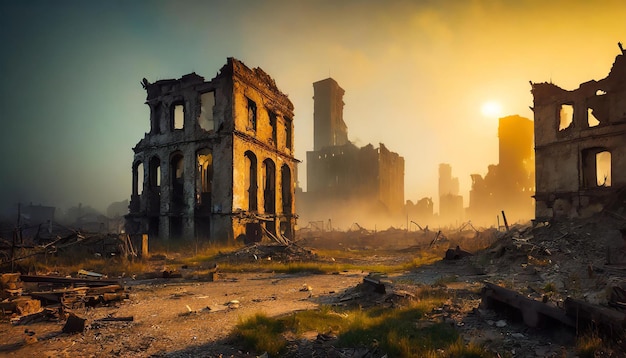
<point>416,76</point>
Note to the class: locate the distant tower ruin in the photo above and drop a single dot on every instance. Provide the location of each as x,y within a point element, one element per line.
<point>343,179</point>
<point>329,129</point>
<point>218,160</point>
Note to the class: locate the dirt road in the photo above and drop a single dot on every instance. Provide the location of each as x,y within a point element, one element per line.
<point>177,318</point>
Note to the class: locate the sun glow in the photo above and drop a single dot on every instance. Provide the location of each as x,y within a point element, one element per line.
<point>491,109</point>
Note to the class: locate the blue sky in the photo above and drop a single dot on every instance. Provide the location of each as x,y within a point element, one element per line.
<point>416,74</point>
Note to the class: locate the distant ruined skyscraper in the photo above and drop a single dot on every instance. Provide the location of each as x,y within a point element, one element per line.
<point>343,180</point>
<point>329,129</point>
<point>450,202</point>
<point>509,185</point>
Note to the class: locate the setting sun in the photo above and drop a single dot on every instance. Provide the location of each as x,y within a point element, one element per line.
<point>491,109</point>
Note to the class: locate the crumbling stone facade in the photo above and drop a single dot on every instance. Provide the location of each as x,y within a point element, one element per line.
<point>343,179</point>
<point>580,145</point>
<point>218,161</point>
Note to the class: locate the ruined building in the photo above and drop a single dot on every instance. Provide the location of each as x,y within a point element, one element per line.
<point>509,185</point>
<point>450,202</point>
<point>218,161</point>
<point>580,145</point>
<point>339,173</point>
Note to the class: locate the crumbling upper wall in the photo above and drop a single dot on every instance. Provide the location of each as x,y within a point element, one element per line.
<point>205,138</point>
<point>580,143</point>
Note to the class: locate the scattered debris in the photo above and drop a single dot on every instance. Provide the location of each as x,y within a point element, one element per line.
<point>50,295</point>
<point>456,253</point>
<point>533,312</point>
<point>74,324</point>
<point>271,252</point>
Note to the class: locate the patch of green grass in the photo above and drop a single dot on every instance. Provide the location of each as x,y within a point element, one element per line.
<point>396,332</point>
<point>471,350</point>
<point>262,334</point>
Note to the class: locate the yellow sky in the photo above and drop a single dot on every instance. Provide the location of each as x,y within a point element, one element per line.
<point>416,76</point>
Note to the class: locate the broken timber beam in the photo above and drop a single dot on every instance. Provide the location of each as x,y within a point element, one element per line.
<point>598,316</point>
<point>68,280</point>
<point>378,286</point>
<point>532,311</point>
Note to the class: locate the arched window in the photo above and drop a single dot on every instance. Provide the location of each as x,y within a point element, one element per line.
<point>251,180</point>
<point>286,186</point>
<point>177,181</point>
<point>204,177</point>
<point>269,186</point>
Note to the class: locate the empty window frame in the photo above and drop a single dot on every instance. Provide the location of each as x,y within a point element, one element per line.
<point>566,116</point>
<point>204,177</point>
<point>288,134</point>
<point>269,186</point>
<point>178,116</point>
<point>251,180</point>
<point>596,168</point>
<point>177,180</point>
<point>603,169</point>
<point>592,121</point>
<point>138,178</point>
<point>251,115</point>
<point>207,103</point>
<point>286,185</point>
<point>154,186</point>
<point>273,125</point>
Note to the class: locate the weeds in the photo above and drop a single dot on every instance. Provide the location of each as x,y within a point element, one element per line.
<point>588,345</point>
<point>262,334</point>
<point>394,331</point>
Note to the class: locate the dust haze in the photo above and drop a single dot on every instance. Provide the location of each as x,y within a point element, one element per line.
<point>416,76</point>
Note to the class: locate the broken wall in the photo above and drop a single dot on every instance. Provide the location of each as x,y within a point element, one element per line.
<point>187,170</point>
<point>580,145</point>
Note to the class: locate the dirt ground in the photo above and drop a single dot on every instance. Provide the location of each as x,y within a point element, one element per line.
<point>186,317</point>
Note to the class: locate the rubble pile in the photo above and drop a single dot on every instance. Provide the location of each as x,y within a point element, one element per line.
<point>13,254</point>
<point>26,299</point>
<point>574,258</point>
<point>270,252</point>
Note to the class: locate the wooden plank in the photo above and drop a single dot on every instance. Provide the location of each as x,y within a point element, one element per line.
<point>532,310</point>
<point>594,315</point>
<point>68,280</point>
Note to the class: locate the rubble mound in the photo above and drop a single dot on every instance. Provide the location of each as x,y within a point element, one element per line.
<point>577,258</point>
<point>270,252</point>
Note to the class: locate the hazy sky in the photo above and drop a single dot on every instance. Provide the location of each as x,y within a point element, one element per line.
<point>416,74</point>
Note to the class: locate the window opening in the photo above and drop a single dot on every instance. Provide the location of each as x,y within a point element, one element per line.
<point>596,168</point>
<point>251,114</point>
<point>566,116</point>
<point>154,185</point>
<point>179,116</point>
<point>286,189</point>
<point>272,116</point>
<point>204,177</point>
<point>603,169</point>
<point>288,134</point>
<point>177,170</point>
<point>269,186</point>
<point>592,121</point>
<point>138,179</point>
<point>251,181</point>
<point>207,103</point>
